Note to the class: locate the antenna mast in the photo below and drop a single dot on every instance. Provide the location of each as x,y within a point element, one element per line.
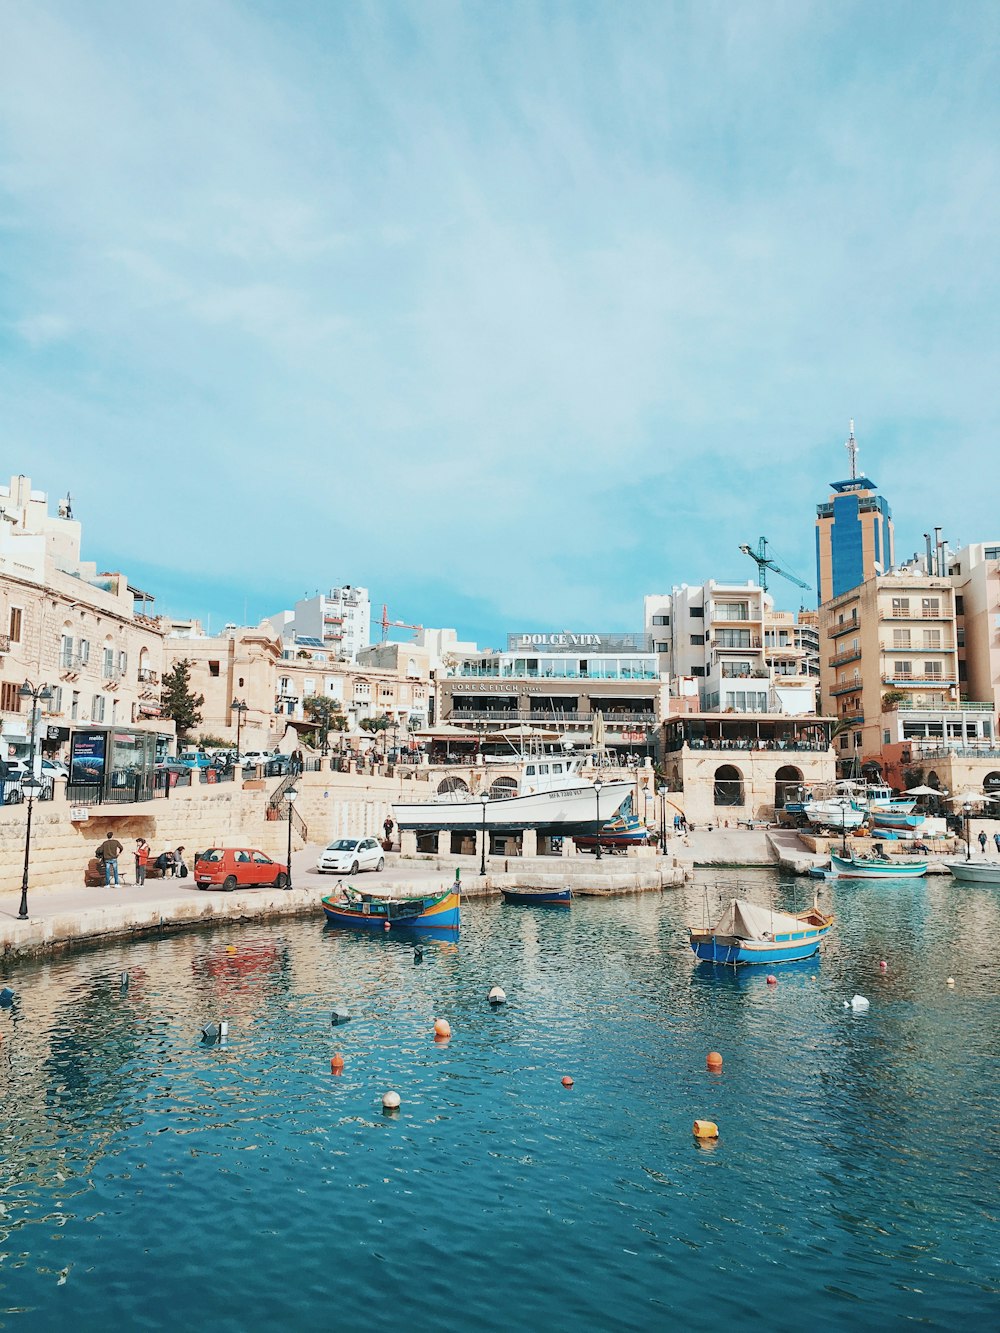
<point>851,445</point>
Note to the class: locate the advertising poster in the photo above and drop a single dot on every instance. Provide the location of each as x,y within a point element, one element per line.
<point>86,763</point>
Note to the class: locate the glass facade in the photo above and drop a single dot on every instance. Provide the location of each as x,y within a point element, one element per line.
<point>561,666</point>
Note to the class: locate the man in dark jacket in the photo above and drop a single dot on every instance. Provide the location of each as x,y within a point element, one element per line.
<point>109,852</point>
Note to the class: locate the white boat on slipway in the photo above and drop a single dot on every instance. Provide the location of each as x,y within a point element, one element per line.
<point>550,795</point>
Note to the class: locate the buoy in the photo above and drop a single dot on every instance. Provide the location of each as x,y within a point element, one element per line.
<point>390,1101</point>
<point>339,1015</point>
<point>442,1028</point>
<point>858,1003</point>
<point>706,1129</point>
<point>772,980</point>
<point>497,995</point>
<point>713,1060</point>
<point>230,948</point>
<point>223,1030</point>
<point>6,997</point>
<point>883,966</point>
<point>336,1062</point>
<point>567,1082</point>
<point>386,925</point>
<point>951,981</point>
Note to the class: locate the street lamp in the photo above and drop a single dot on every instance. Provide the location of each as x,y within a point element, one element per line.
<point>967,812</point>
<point>663,821</point>
<point>291,796</point>
<point>484,797</point>
<point>239,707</point>
<point>30,782</point>
<point>598,784</point>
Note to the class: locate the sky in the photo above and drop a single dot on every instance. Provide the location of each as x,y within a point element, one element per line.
<point>511,312</point>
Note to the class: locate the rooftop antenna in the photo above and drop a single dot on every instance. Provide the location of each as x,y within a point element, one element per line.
<point>851,445</point>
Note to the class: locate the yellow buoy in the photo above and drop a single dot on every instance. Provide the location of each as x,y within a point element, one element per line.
<point>706,1129</point>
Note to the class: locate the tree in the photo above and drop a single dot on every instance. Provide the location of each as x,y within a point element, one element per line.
<point>325,713</point>
<point>178,701</point>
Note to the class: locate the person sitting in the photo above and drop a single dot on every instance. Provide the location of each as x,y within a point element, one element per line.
<point>166,863</point>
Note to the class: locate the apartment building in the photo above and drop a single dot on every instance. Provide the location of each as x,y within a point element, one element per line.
<point>975,572</point>
<point>90,636</point>
<point>743,655</point>
<point>340,619</point>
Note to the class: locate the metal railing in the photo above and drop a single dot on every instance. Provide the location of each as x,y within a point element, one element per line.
<point>842,627</point>
<point>940,750</point>
<point>279,808</point>
<point>745,743</point>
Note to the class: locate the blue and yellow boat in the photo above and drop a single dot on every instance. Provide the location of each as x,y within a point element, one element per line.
<point>373,911</point>
<point>749,933</point>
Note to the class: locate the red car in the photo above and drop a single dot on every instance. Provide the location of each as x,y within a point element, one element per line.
<point>237,867</point>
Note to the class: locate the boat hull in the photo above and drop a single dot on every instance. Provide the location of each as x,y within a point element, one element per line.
<point>538,897</point>
<point>567,809</point>
<point>737,952</point>
<point>894,819</point>
<point>437,912</point>
<point>842,867</point>
<point>976,872</point>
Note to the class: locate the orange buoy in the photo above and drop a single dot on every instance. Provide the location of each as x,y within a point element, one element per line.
<point>713,1060</point>
<point>706,1129</point>
<point>567,1081</point>
<point>772,980</point>
<point>337,1062</point>
<point>442,1028</point>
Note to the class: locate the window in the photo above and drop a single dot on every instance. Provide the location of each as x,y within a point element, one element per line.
<point>903,669</point>
<point>960,638</point>
<point>97,709</point>
<point>697,671</point>
<point>66,651</point>
<point>108,669</point>
<point>932,638</point>
<point>213,668</point>
<point>857,740</point>
<point>933,669</point>
<point>55,704</point>
<point>84,651</point>
<point>959,605</point>
<point>930,606</point>
<point>697,638</point>
<point>728,785</point>
<point>15,624</point>
<point>901,606</point>
<point>697,613</point>
<point>843,742</point>
<point>991,552</point>
<point>734,611</point>
<point>74,708</point>
<point>900,638</point>
<point>661,647</point>
<point>123,662</point>
<point>10,700</point>
<point>732,638</point>
<point>661,620</point>
<point>886,737</point>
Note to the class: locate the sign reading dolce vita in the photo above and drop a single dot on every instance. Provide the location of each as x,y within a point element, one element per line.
<point>565,642</point>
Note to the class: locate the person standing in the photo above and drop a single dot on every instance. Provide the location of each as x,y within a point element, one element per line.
<point>141,858</point>
<point>996,839</point>
<point>982,841</point>
<point>388,826</point>
<point>109,852</point>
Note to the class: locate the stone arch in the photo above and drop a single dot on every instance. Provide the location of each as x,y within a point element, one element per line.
<point>991,783</point>
<point>452,784</point>
<point>728,785</point>
<point>785,779</point>
<point>503,788</point>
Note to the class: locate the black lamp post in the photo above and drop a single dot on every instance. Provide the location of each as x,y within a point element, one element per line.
<point>30,783</point>
<point>239,707</point>
<point>843,827</point>
<point>598,784</point>
<point>967,812</point>
<point>482,862</point>
<point>663,821</point>
<point>291,796</point>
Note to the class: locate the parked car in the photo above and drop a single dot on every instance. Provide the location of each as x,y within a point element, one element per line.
<point>253,758</point>
<point>195,759</point>
<point>349,855</point>
<point>54,768</point>
<point>277,765</point>
<point>12,793</point>
<point>237,867</point>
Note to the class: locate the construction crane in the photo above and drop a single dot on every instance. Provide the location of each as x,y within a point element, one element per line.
<point>388,624</point>
<point>764,563</point>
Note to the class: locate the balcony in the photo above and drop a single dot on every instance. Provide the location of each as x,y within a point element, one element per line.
<point>147,677</point>
<point>843,627</point>
<point>846,686</point>
<point>965,706</point>
<point>918,613</point>
<point>505,715</point>
<point>849,655</point>
<point>916,678</point>
<point>853,719</point>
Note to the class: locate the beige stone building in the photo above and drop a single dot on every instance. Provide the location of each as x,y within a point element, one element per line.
<point>238,665</point>
<point>88,635</point>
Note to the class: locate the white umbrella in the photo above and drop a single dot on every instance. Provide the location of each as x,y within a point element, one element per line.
<point>924,791</point>
<point>973,797</point>
<point>597,732</point>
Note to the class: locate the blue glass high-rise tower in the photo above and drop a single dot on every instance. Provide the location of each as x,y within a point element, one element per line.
<point>854,533</point>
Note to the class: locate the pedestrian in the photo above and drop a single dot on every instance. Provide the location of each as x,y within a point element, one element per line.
<point>180,865</point>
<point>141,858</point>
<point>996,839</point>
<point>165,863</point>
<point>109,852</point>
<point>982,841</point>
<point>388,826</point>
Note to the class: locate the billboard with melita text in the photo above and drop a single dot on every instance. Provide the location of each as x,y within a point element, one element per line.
<point>86,764</point>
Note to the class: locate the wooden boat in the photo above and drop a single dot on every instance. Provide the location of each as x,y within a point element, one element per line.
<point>874,867</point>
<point>749,933</point>
<point>625,830</point>
<point>896,819</point>
<point>539,897</point>
<point>976,872</point>
<point>375,911</point>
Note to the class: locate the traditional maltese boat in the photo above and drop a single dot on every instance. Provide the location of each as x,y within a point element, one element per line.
<point>538,897</point>
<point>749,933</point>
<point>381,911</point>
<point>874,867</point>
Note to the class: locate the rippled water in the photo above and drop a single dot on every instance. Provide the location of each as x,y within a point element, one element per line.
<point>151,1180</point>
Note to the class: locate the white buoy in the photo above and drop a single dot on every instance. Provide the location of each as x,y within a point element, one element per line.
<point>858,1003</point>
<point>390,1101</point>
<point>951,981</point>
<point>497,995</point>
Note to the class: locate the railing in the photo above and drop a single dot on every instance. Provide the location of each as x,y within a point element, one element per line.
<point>4,643</point>
<point>919,613</point>
<point>280,808</point>
<point>147,677</point>
<point>213,775</point>
<point>843,627</point>
<point>839,659</point>
<point>12,794</point>
<point>937,750</point>
<point>846,687</point>
<point>743,743</point>
<point>916,678</point>
<point>965,706</point>
<point>555,719</point>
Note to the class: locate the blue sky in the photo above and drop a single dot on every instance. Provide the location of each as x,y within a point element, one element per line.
<point>512,312</point>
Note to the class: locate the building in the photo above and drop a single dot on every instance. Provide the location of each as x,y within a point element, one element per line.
<point>443,646</point>
<point>341,620</point>
<point>572,682</point>
<point>975,572</point>
<point>743,656</point>
<point>89,635</point>
<point>854,533</point>
<point>238,666</point>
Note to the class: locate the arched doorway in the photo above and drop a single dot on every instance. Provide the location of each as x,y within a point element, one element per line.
<point>991,784</point>
<point>728,785</point>
<point>786,779</point>
<point>452,784</point>
<point>503,788</point>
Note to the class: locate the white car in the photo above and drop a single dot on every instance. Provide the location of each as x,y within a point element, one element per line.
<point>255,758</point>
<point>346,856</point>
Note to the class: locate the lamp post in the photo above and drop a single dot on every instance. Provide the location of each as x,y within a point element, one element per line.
<point>239,707</point>
<point>484,798</point>
<point>291,796</point>
<point>663,821</point>
<point>967,812</point>
<point>598,784</point>
<point>843,827</point>
<point>30,783</point>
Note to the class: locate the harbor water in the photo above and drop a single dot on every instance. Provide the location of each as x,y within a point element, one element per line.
<point>154,1179</point>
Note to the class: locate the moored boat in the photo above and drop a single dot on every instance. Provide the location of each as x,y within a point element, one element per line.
<point>539,897</point>
<point>748,933</point>
<point>874,867</point>
<point>374,911</point>
<point>625,830</point>
<point>976,872</point>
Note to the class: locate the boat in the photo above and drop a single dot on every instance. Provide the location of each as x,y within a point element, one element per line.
<point>550,794</point>
<point>853,804</point>
<point>975,872</point>
<point>896,819</point>
<point>748,933</point>
<point>538,897</point>
<point>381,911</point>
<point>625,830</point>
<point>874,867</point>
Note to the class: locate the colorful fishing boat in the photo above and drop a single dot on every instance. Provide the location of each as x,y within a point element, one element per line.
<point>874,867</point>
<point>896,819</point>
<point>378,911</point>
<point>625,830</point>
<point>748,933</point>
<point>538,897</point>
